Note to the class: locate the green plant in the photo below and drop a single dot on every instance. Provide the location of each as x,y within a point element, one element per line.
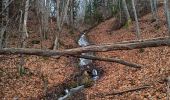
<point>21,70</point>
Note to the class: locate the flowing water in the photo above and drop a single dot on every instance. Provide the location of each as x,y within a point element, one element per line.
<point>83,64</point>
<point>83,41</point>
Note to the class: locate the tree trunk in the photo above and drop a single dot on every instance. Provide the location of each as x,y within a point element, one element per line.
<point>153,4</point>
<point>56,42</point>
<point>25,18</point>
<point>93,48</point>
<point>126,12</point>
<point>60,21</point>
<point>166,8</point>
<point>136,19</point>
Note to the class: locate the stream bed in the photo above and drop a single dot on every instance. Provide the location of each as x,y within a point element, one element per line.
<point>85,65</point>
<point>71,89</point>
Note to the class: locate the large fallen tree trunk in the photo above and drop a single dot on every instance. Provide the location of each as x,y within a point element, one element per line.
<point>50,52</point>
<point>93,48</point>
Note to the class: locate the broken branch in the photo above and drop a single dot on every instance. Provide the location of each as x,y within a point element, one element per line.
<point>129,90</point>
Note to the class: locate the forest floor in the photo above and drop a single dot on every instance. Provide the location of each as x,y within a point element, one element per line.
<point>116,77</point>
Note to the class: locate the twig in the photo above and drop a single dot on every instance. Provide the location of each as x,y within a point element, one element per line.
<point>6,7</point>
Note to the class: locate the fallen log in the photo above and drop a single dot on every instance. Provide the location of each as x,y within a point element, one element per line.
<point>93,48</point>
<point>49,53</point>
<point>128,45</point>
<point>116,60</point>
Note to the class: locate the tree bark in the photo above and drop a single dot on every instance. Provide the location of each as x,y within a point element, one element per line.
<point>93,48</point>
<point>25,18</point>
<point>126,11</point>
<point>153,4</point>
<point>116,60</point>
<point>47,53</point>
<point>136,19</point>
<point>167,14</point>
<point>60,21</point>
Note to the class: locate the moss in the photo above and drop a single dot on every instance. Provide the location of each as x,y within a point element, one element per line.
<point>72,84</point>
<point>86,80</point>
<point>128,23</point>
<point>87,83</point>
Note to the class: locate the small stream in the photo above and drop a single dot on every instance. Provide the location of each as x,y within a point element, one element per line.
<point>84,64</point>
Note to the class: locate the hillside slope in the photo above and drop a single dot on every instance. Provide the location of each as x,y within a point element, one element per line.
<point>155,61</point>
<point>116,77</point>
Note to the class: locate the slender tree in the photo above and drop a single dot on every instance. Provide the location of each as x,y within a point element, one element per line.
<point>136,19</point>
<point>60,20</point>
<point>153,4</point>
<point>167,14</point>
<point>24,35</point>
<point>126,12</point>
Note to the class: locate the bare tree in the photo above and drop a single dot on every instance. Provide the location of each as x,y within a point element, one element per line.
<point>60,20</point>
<point>136,19</point>
<point>4,15</point>
<point>24,28</point>
<point>167,14</point>
<point>24,35</point>
<point>126,12</point>
<point>153,4</point>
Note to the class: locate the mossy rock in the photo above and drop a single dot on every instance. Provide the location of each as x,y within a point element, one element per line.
<point>87,83</point>
<point>72,84</point>
<point>86,80</point>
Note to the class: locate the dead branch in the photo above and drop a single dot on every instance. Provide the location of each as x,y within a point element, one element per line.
<point>129,90</point>
<point>101,95</point>
<point>116,60</point>
<point>93,48</point>
<point>51,52</point>
<point>6,7</point>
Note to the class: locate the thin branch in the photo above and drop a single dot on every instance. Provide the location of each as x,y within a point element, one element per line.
<point>129,90</point>
<point>6,7</point>
<point>116,60</point>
